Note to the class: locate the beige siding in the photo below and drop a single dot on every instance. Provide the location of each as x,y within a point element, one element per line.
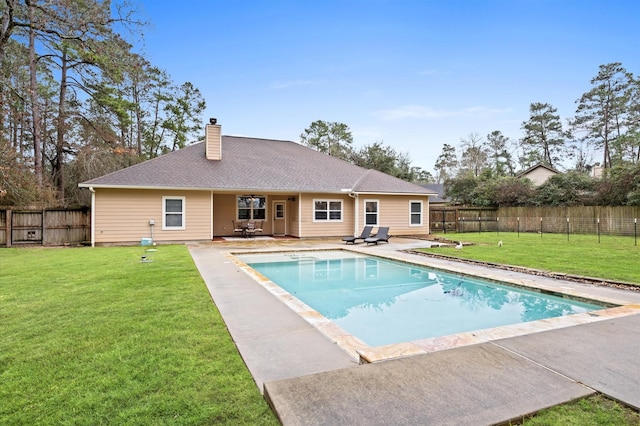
<point>224,212</point>
<point>394,212</point>
<point>122,216</point>
<point>293,217</point>
<point>309,228</point>
<point>213,142</point>
<point>539,175</point>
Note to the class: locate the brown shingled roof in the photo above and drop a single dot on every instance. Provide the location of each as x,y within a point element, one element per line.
<point>257,165</point>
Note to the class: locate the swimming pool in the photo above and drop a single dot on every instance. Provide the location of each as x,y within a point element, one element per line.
<point>383,302</point>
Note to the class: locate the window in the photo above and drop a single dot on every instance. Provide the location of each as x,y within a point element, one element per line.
<point>252,207</point>
<point>371,212</point>
<point>173,216</point>
<point>415,213</point>
<point>327,211</point>
<point>280,211</point>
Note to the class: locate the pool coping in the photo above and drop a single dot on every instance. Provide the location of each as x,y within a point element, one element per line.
<point>365,354</point>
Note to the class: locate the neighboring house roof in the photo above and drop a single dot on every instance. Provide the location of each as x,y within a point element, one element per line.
<point>438,188</point>
<point>250,164</point>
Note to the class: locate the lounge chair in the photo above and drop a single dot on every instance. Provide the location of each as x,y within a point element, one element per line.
<point>382,235</point>
<point>366,233</point>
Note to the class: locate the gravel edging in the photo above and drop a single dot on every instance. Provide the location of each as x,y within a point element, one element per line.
<point>556,275</point>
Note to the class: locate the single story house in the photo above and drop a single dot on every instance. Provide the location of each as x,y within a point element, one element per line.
<point>538,174</point>
<point>202,191</point>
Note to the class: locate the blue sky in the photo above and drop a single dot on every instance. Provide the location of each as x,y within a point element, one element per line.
<point>413,75</point>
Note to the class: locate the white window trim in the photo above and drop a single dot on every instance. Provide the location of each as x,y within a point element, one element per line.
<point>377,212</point>
<point>164,213</point>
<point>328,201</point>
<point>252,208</point>
<point>421,212</point>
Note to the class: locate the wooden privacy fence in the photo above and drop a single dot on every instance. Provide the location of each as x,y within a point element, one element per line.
<point>555,220</point>
<point>49,227</point>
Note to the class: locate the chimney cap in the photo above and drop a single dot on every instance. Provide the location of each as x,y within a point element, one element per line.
<point>213,120</point>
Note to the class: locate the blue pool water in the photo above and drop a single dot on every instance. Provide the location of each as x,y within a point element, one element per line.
<point>382,302</point>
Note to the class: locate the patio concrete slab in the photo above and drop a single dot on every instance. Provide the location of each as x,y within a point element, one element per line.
<point>481,384</point>
<point>604,356</point>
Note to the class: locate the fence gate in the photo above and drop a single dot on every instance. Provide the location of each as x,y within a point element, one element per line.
<point>443,220</point>
<point>26,227</point>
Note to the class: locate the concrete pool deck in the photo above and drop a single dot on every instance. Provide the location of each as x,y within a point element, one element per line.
<point>310,379</point>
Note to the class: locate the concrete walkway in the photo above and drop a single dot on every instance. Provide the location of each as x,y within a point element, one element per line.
<point>309,380</point>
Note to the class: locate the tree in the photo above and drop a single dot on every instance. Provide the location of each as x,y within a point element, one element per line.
<point>387,160</point>
<point>498,156</point>
<point>184,115</point>
<point>511,191</point>
<point>446,164</point>
<point>421,176</point>
<point>332,138</point>
<point>462,189</point>
<point>603,113</point>
<point>474,155</point>
<point>76,101</point>
<point>620,186</point>
<point>544,134</point>
<point>568,189</point>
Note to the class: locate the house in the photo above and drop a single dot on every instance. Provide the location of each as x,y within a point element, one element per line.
<point>538,174</point>
<point>198,192</point>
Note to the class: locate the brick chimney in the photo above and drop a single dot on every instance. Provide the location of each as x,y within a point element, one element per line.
<point>213,140</point>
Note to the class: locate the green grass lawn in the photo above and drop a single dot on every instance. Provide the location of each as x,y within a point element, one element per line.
<point>614,258</point>
<point>95,336</point>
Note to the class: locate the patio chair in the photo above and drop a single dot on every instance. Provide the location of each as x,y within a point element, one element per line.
<point>251,229</point>
<point>366,233</point>
<point>258,228</point>
<point>237,229</point>
<point>382,235</point>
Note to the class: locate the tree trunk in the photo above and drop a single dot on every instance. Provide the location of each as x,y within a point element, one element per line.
<point>58,165</point>
<point>35,106</point>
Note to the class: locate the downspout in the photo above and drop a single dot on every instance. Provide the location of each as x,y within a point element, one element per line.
<point>356,222</point>
<point>93,216</point>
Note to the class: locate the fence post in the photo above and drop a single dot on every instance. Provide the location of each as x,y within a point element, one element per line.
<point>540,227</point>
<point>9,230</point>
<point>567,229</point>
<point>479,225</point>
<point>598,230</point>
<point>444,228</point>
